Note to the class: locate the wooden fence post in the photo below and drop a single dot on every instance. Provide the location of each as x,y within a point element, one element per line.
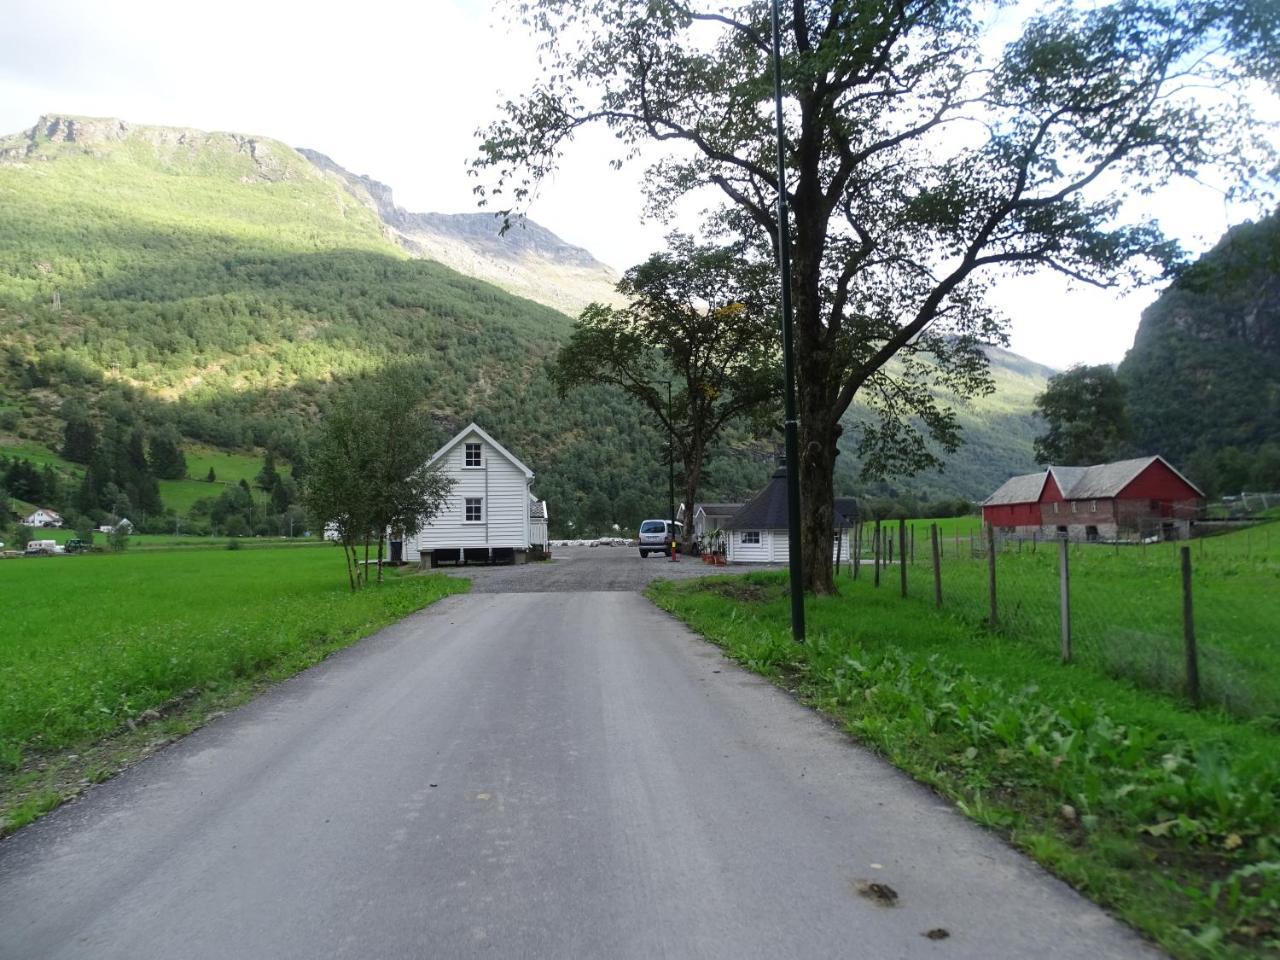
<point>913,543</point>
<point>1189,632</point>
<point>902,554</point>
<point>1064,599</point>
<point>878,539</point>
<point>992,618</point>
<point>937,566</point>
<point>857,549</point>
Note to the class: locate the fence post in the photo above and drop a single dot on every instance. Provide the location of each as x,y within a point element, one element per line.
<point>877,539</point>
<point>902,554</point>
<point>937,565</point>
<point>1189,632</point>
<point>1064,589</point>
<point>993,619</point>
<point>913,543</point>
<point>855,548</point>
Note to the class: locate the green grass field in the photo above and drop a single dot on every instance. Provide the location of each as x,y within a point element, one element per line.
<point>1126,606</point>
<point>1167,815</point>
<point>98,641</point>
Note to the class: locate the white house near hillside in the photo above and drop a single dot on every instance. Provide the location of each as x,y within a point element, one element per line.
<point>488,514</point>
<point>43,517</point>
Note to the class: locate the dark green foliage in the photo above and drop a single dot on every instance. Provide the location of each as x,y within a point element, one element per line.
<point>1086,415</point>
<point>211,476</point>
<point>267,477</point>
<point>167,461</point>
<point>1203,376</point>
<point>79,440</point>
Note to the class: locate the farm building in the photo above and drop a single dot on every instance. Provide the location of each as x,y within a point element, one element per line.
<point>757,533</point>
<point>489,515</point>
<point>709,517</point>
<point>43,517</point>
<point>1145,497</point>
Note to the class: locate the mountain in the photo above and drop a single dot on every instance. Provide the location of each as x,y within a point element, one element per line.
<point>222,284</point>
<point>1203,375</point>
<point>528,260</point>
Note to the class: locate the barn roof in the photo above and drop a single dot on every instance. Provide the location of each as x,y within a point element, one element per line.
<point>475,428</point>
<point>1100,481</point>
<point>767,510</point>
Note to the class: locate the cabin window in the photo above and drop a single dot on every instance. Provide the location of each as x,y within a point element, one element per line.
<point>473,455</point>
<point>474,509</point>
<point>751,536</point>
<point>1073,506</point>
<point>1055,506</point>
<point>1093,506</point>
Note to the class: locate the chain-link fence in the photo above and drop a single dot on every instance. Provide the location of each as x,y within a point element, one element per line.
<point>1120,607</point>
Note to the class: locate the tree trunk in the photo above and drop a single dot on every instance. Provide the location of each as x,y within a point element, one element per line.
<point>817,506</point>
<point>380,557</point>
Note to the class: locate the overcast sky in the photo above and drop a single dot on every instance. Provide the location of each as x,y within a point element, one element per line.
<point>396,91</point>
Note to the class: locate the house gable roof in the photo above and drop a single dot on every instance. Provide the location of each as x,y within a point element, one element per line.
<point>476,429</point>
<point>717,509</point>
<point>1098,482</point>
<point>537,508</point>
<point>767,510</point>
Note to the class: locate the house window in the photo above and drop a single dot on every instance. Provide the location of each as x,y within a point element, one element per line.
<point>1055,506</point>
<point>751,536</point>
<point>474,509</point>
<point>1093,506</point>
<point>1073,506</point>
<point>473,455</point>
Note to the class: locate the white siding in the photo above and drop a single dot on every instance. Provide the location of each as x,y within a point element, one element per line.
<point>538,532</point>
<point>774,547</point>
<point>502,486</point>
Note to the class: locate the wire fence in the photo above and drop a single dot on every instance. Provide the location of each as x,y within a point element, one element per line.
<point>1198,619</point>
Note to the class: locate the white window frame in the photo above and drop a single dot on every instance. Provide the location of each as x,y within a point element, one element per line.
<point>1093,506</point>
<point>466,508</point>
<point>1055,506</point>
<point>1073,506</point>
<point>466,456</point>
<point>743,538</point>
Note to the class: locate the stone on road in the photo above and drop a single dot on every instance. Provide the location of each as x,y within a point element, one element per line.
<point>527,775</point>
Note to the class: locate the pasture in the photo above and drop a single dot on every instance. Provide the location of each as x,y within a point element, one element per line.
<point>93,645</point>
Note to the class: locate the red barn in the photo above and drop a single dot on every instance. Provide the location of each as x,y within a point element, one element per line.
<point>1130,498</point>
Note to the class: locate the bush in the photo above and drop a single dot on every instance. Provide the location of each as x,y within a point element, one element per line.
<point>234,545</point>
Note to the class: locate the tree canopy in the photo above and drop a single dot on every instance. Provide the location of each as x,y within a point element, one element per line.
<point>1087,418</point>
<point>918,158</point>
<point>699,318</point>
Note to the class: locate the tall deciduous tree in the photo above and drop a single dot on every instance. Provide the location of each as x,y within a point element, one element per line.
<point>699,316</point>
<point>1087,418</point>
<point>918,158</point>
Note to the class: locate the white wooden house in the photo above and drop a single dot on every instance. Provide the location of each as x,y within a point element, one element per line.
<point>487,516</point>
<point>43,517</point>
<point>709,517</point>
<point>758,532</point>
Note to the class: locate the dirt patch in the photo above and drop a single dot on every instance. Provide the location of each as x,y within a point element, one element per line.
<point>744,591</point>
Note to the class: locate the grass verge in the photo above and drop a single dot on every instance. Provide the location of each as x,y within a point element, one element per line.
<point>1167,817</point>
<point>107,657</point>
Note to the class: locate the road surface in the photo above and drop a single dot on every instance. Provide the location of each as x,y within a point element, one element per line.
<point>535,774</point>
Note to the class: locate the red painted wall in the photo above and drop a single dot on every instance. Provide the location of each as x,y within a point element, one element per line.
<point>1158,482</point>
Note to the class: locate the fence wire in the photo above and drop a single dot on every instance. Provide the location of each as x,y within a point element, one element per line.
<point>1125,602</point>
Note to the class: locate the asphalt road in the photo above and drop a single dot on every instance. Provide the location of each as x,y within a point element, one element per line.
<point>526,775</point>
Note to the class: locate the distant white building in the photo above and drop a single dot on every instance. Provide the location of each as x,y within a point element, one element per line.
<point>538,520</point>
<point>43,517</point>
<point>488,515</point>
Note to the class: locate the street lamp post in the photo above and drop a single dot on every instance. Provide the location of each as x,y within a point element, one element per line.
<point>789,400</point>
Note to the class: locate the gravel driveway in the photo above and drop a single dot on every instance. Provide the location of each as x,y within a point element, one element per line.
<point>577,569</point>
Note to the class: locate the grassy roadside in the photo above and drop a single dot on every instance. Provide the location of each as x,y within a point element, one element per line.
<point>107,657</point>
<point>1168,817</point>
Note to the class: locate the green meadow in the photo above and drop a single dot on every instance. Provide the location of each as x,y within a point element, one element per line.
<point>102,643</point>
<point>1100,768</point>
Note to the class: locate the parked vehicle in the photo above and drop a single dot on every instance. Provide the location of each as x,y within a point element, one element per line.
<point>75,545</point>
<point>41,548</point>
<point>656,536</point>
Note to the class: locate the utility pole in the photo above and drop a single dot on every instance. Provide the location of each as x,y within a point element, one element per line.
<point>789,400</point>
<point>671,478</point>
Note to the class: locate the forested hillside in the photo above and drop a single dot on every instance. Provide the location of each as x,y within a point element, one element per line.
<point>1203,376</point>
<point>161,286</point>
